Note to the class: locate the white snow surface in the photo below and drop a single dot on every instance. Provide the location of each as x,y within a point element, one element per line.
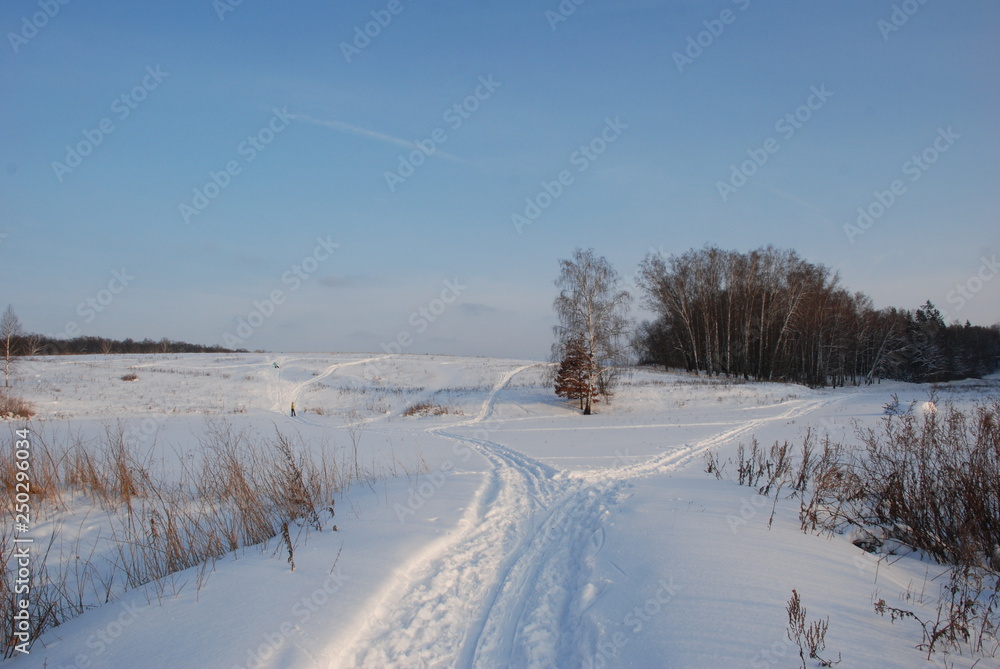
<point>509,532</point>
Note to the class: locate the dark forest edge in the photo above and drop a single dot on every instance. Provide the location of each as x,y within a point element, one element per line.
<point>39,345</point>
<point>769,315</point>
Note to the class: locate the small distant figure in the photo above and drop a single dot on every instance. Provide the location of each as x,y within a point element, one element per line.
<point>293,409</point>
<point>276,366</point>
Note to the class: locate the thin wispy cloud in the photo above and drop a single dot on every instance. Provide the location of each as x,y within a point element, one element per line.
<point>791,198</point>
<point>358,131</point>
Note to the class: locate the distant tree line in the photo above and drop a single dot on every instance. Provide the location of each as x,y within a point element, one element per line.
<point>771,315</point>
<point>33,344</point>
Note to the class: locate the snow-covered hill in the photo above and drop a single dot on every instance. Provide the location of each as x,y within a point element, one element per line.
<point>501,529</point>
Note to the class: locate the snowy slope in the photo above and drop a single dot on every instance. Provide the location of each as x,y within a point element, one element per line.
<point>509,531</point>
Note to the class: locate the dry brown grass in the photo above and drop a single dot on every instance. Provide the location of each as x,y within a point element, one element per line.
<point>241,492</point>
<point>13,406</point>
<point>426,409</point>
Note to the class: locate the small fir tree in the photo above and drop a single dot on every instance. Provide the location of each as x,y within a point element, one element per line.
<point>574,378</point>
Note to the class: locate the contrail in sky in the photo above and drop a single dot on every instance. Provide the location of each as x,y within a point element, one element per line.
<point>373,134</point>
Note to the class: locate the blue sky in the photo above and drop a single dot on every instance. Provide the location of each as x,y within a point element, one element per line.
<point>230,147</point>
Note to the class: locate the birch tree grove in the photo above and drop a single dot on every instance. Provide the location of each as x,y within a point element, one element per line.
<point>770,315</point>
<point>593,311</point>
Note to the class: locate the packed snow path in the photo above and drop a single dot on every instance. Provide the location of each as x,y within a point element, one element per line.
<point>511,585</point>
<point>284,392</point>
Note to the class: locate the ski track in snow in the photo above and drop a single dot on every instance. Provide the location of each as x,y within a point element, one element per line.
<point>511,585</point>
<point>284,394</point>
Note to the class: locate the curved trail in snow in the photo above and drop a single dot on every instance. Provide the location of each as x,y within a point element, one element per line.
<point>286,393</point>
<point>511,585</point>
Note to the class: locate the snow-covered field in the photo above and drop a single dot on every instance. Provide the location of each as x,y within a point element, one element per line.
<point>509,531</point>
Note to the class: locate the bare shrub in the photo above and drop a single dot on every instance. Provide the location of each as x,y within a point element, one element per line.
<point>809,636</point>
<point>773,465</point>
<point>965,614</point>
<point>777,466</point>
<point>829,476</point>
<point>930,482</point>
<point>750,468</point>
<point>713,465</point>
<point>894,408</point>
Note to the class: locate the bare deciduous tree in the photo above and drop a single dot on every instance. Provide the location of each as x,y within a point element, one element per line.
<point>32,344</point>
<point>593,307</point>
<point>10,332</point>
